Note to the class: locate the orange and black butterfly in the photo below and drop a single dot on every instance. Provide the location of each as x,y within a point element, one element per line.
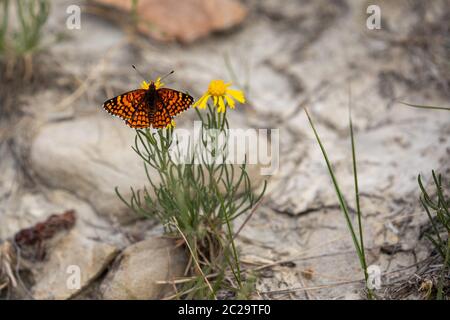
<point>142,108</point>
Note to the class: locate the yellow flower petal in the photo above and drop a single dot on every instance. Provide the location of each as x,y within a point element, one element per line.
<point>221,107</point>
<point>196,103</point>
<point>230,101</point>
<point>158,83</point>
<point>172,124</point>
<point>201,103</point>
<point>215,100</point>
<point>237,94</point>
<point>144,85</point>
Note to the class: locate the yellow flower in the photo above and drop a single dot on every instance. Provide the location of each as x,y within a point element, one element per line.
<point>158,84</point>
<point>172,124</point>
<point>219,92</point>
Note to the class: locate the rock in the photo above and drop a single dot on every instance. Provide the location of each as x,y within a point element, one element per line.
<point>32,208</point>
<point>185,21</point>
<point>69,255</point>
<point>140,266</point>
<point>90,163</point>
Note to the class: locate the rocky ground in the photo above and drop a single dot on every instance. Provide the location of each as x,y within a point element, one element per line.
<point>64,152</point>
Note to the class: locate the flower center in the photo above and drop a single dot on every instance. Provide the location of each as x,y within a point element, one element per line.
<point>217,88</point>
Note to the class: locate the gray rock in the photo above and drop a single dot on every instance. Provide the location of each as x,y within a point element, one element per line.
<point>71,256</point>
<point>31,208</point>
<point>90,156</point>
<point>138,269</point>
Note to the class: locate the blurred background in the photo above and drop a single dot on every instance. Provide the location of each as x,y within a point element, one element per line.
<point>59,150</point>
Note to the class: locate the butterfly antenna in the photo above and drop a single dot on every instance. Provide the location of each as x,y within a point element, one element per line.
<point>139,73</point>
<point>166,75</point>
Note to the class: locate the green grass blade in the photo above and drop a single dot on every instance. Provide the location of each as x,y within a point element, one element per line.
<point>424,107</point>
<point>339,194</point>
<point>358,205</point>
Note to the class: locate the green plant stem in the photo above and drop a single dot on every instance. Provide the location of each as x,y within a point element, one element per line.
<point>440,291</point>
<point>235,255</point>
<point>134,12</point>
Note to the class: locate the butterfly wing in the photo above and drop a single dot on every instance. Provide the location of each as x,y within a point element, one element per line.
<point>140,119</point>
<point>174,101</point>
<point>125,105</point>
<point>161,116</point>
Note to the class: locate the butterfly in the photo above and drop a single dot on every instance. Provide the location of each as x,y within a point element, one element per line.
<point>142,108</point>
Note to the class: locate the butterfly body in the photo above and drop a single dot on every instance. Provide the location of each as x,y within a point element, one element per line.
<point>142,108</point>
